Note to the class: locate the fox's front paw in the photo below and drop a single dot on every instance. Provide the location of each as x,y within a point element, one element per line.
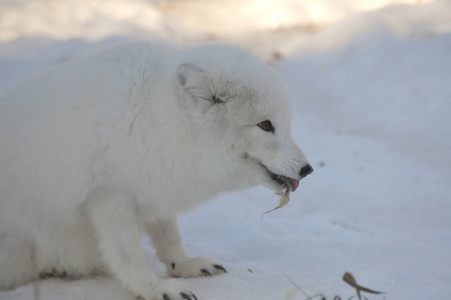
<point>171,290</point>
<point>195,267</point>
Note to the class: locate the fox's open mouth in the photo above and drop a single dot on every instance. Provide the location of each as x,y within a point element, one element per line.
<point>284,181</point>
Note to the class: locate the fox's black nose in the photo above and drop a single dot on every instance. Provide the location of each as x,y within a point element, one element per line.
<point>307,169</point>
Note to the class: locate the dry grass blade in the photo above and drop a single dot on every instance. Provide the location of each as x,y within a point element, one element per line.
<point>349,279</point>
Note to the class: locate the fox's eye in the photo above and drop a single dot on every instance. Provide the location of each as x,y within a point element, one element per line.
<point>266,126</point>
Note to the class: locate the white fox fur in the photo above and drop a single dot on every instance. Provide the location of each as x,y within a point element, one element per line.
<point>95,151</point>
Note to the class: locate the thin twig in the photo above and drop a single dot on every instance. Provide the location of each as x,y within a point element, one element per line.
<point>36,291</point>
<point>299,288</point>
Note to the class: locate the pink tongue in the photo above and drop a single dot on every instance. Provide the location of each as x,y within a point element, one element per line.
<point>294,184</point>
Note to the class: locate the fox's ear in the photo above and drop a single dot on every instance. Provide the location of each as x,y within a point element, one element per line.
<point>188,72</point>
<point>194,82</point>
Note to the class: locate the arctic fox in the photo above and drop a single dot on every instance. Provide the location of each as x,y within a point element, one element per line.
<point>95,151</point>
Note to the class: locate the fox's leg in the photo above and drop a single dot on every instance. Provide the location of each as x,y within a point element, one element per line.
<point>115,222</point>
<point>167,240</point>
<point>17,266</point>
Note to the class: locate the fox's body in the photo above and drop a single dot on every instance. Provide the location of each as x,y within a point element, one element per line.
<point>97,150</point>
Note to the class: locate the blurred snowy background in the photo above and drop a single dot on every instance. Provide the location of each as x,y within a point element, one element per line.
<point>371,89</point>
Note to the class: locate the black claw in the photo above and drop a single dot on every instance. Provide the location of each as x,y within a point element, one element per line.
<point>205,272</point>
<point>219,267</point>
<point>166,297</point>
<point>194,296</point>
<point>173,266</point>
<point>185,296</point>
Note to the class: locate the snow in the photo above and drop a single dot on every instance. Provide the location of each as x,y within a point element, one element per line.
<point>371,89</point>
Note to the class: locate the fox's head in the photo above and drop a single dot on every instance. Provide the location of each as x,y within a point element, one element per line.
<point>242,102</point>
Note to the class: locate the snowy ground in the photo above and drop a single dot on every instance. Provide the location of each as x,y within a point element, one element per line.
<point>371,88</point>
